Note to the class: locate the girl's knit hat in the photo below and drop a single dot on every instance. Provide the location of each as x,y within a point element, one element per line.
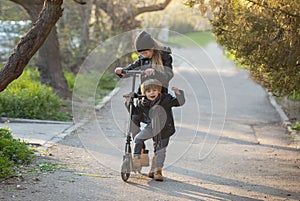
<point>144,41</point>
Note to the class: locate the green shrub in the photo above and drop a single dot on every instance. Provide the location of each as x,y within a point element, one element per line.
<point>6,166</point>
<point>26,97</point>
<point>106,84</point>
<point>70,77</point>
<point>85,85</point>
<point>296,126</point>
<point>13,153</point>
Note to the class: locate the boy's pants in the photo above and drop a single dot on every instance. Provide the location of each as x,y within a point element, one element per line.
<point>160,146</point>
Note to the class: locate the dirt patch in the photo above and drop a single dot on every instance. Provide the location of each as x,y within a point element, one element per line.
<point>53,175</point>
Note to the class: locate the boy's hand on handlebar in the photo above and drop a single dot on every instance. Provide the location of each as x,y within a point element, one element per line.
<point>149,72</point>
<point>176,90</point>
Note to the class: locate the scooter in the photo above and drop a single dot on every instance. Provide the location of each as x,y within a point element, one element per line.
<point>127,165</point>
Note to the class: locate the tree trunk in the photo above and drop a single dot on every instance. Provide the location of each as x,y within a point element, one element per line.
<point>49,61</point>
<point>49,65</point>
<point>32,41</point>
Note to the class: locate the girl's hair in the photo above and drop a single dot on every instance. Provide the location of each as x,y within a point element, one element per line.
<point>156,60</point>
<point>151,84</point>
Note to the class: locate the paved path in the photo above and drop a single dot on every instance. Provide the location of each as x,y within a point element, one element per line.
<point>229,144</point>
<point>39,133</point>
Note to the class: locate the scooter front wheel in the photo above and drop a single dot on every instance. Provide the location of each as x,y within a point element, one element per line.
<point>125,169</point>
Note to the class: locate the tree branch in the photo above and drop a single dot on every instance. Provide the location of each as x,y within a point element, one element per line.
<point>31,42</point>
<point>152,8</point>
<point>82,2</point>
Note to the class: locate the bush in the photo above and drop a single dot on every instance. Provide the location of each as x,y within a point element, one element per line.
<point>13,153</point>
<point>85,84</point>
<point>70,77</point>
<point>26,97</point>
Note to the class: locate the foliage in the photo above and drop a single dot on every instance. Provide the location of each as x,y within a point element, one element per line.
<point>106,83</point>
<point>26,97</point>
<point>177,18</point>
<point>296,126</point>
<point>13,24</point>
<point>264,36</point>
<point>70,77</point>
<point>12,11</point>
<point>295,96</point>
<point>13,153</point>
<point>47,167</point>
<point>195,38</point>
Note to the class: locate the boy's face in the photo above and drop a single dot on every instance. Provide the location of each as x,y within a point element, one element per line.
<point>152,94</point>
<point>147,53</point>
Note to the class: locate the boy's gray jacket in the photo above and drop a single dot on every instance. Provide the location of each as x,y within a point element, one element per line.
<point>160,112</point>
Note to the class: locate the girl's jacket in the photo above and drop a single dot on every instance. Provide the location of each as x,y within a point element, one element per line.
<point>163,77</point>
<point>159,112</point>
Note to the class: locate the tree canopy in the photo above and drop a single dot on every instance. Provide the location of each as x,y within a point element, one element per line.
<point>263,35</point>
<point>43,36</point>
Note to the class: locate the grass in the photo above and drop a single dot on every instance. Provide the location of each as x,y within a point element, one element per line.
<point>192,39</point>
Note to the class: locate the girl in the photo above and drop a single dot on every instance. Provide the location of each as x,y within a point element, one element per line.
<point>156,62</point>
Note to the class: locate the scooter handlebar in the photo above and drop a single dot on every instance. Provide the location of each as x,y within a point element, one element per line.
<point>133,95</point>
<point>124,71</point>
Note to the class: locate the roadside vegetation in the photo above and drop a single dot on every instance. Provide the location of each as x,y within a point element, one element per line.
<point>28,98</point>
<point>16,158</point>
<point>13,154</point>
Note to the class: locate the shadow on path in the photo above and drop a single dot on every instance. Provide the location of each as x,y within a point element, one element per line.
<point>184,190</point>
<point>267,190</point>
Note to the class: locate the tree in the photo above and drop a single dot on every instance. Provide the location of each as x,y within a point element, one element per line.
<point>48,59</point>
<point>45,15</point>
<point>110,18</point>
<point>32,41</point>
<point>262,35</point>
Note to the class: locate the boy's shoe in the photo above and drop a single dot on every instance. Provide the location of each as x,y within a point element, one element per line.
<point>145,158</point>
<point>158,174</point>
<point>152,169</point>
<point>136,163</point>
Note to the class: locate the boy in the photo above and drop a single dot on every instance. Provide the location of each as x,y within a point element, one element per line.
<point>156,107</point>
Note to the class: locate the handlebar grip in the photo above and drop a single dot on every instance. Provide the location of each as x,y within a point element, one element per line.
<point>124,71</point>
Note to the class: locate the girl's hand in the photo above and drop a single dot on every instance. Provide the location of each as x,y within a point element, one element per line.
<point>176,90</point>
<point>149,72</point>
<point>118,71</point>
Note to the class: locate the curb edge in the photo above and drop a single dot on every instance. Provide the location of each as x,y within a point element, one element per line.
<point>285,120</point>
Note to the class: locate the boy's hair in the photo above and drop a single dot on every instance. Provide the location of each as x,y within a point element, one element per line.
<point>151,84</point>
